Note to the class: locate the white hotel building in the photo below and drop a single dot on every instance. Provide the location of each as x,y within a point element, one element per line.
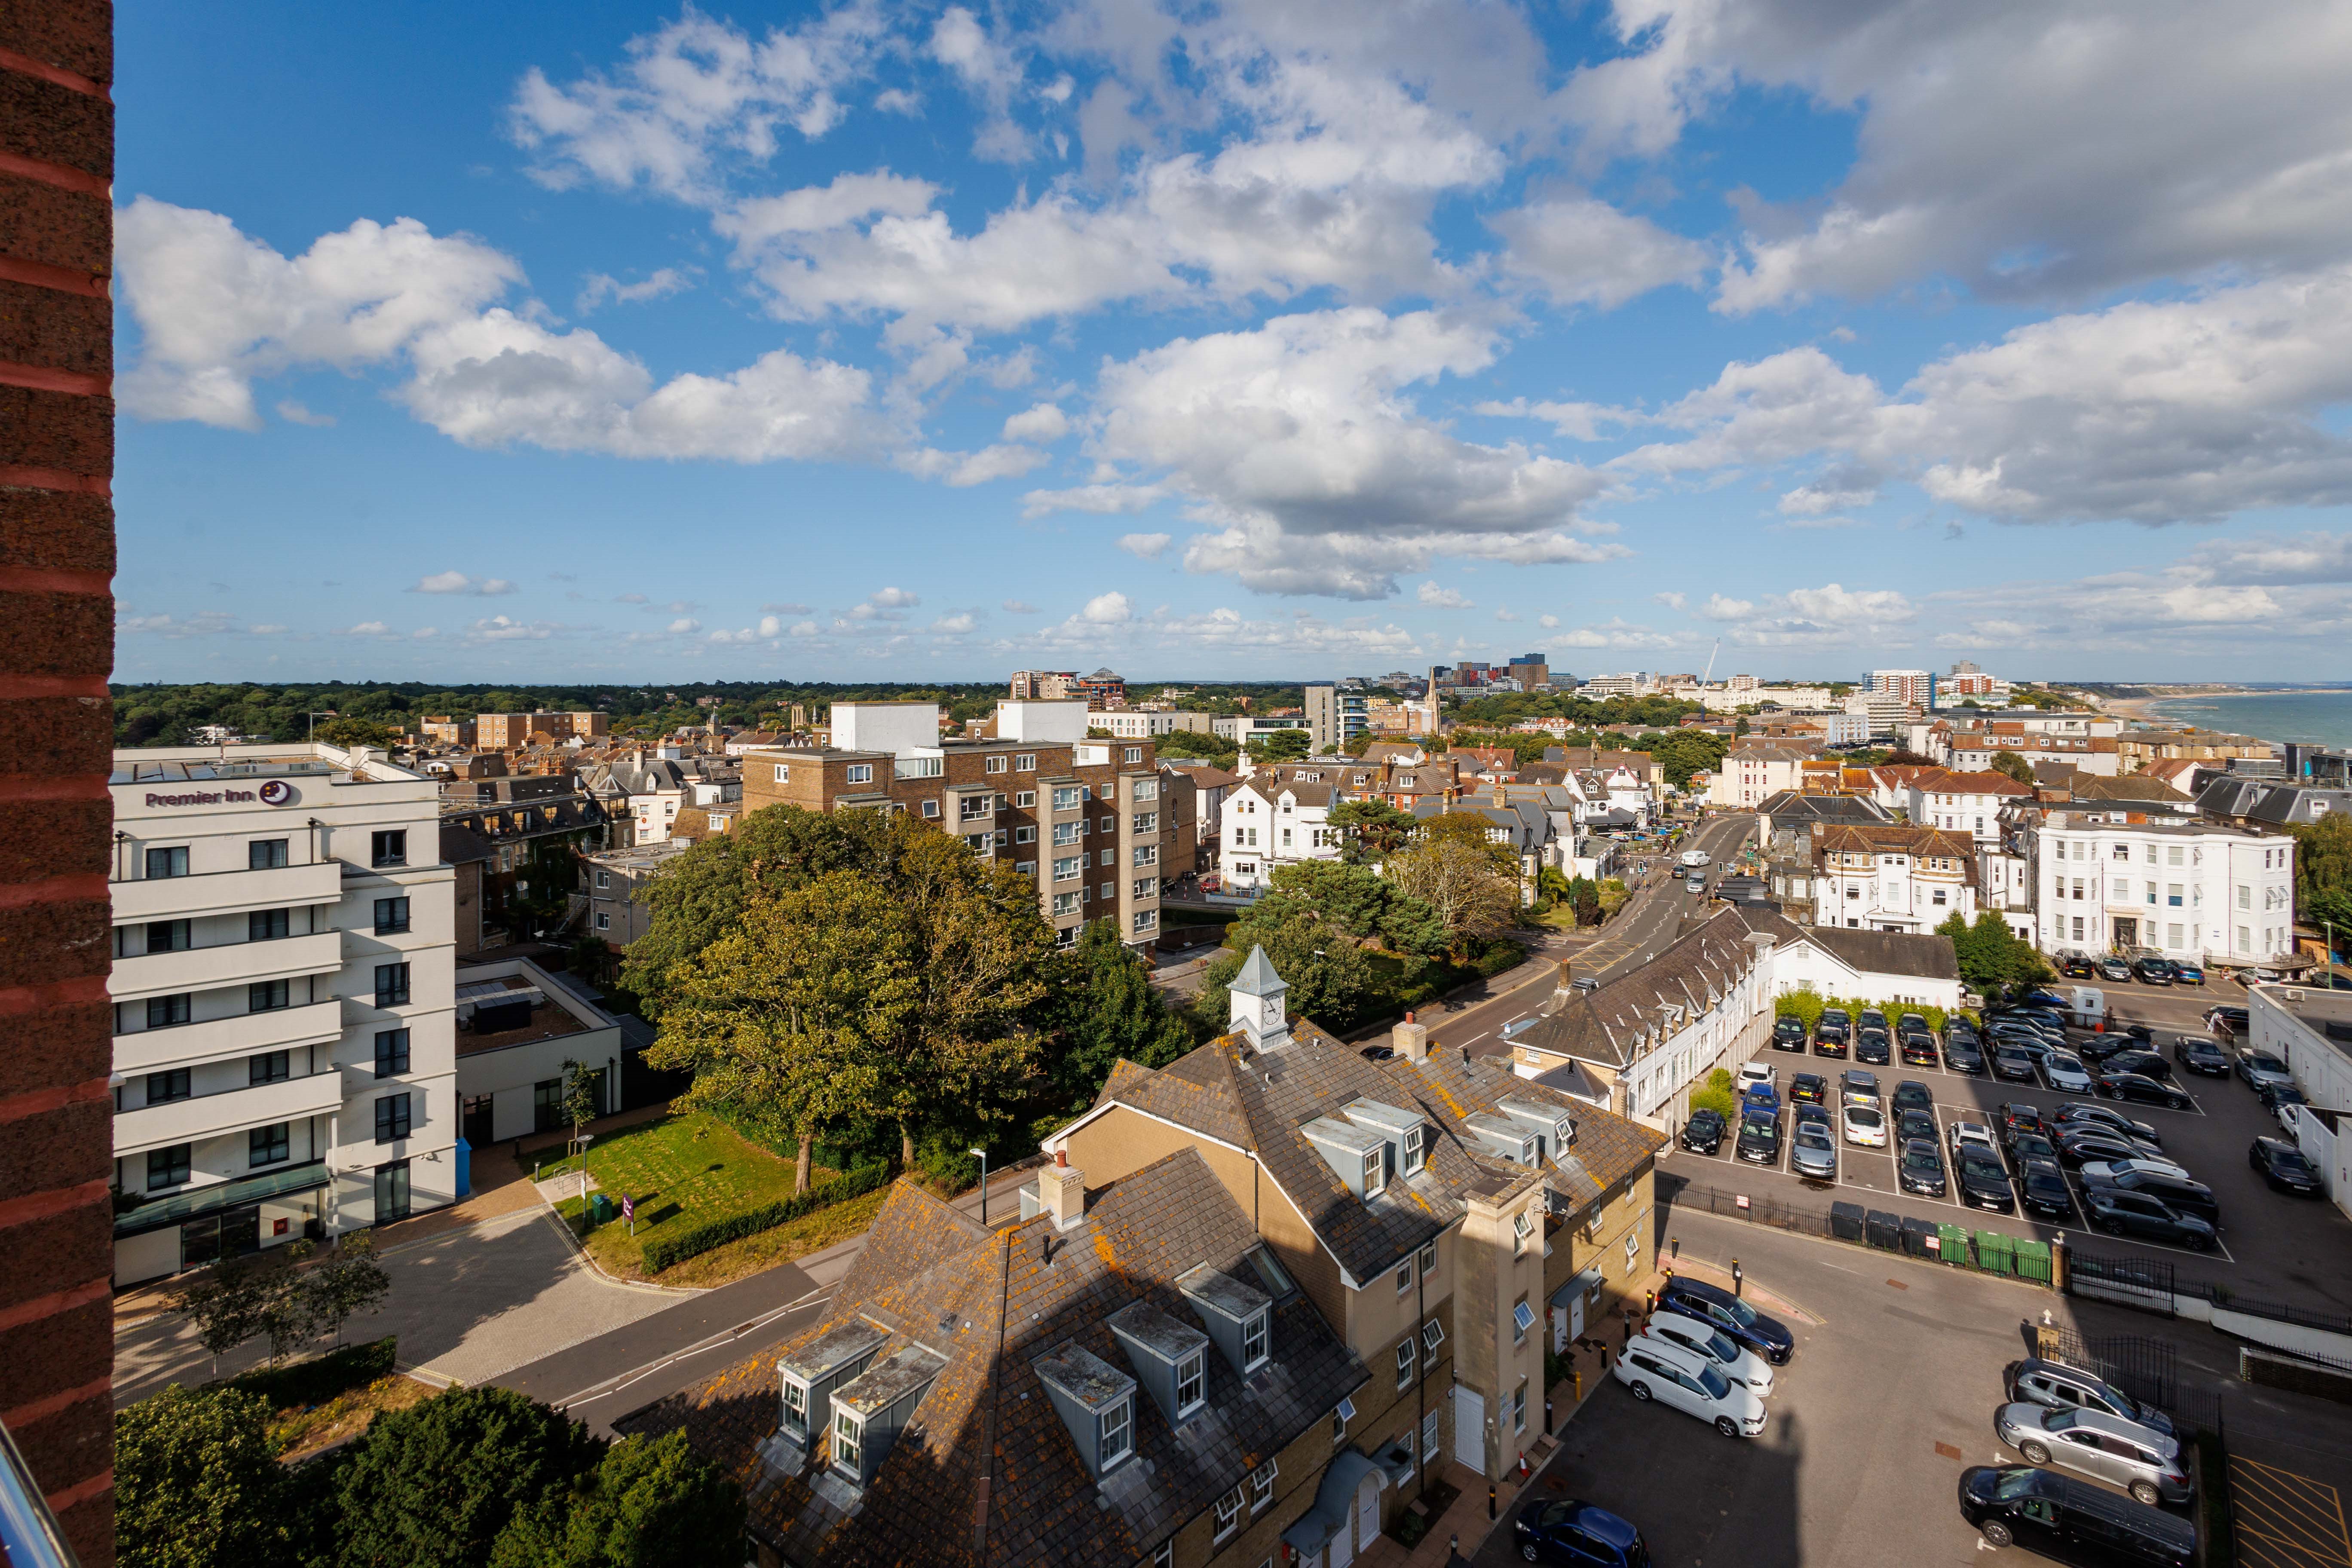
<point>2190,890</point>
<point>283,990</point>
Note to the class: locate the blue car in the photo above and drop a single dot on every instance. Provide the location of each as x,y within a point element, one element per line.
<point>1768,1337</point>
<point>1577,1533</point>
<point>1760,1097</point>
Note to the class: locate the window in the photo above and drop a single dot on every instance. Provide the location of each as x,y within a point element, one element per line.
<point>1146,789</point>
<point>1375,1168</point>
<point>1025,836</point>
<point>260,925</point>
<point>1429,1436</point>
<point>1066,903</point>
<point>265,1145</point>
<point>2172,894</point>
<point>1025,762</point>
<point>388,849</point>
<point>1144,888</point>
<point>1135,754</point>
<point>859,772</point>
<point>784,773</point>
<point>1340,1419</point>
<point>164,1011</point>
<point>392,985</point>
<point>392,1120</point>
<point>1146,921</point>
<point>391,1052</point>
<point>1405,1361</point>
<point>268,1067</point>
<point>1026,799</point>
<point>2172,854</point>
<point>930,809</point>
<point>170,936</point>
<point>604,922</point>
<point>2078,928</point>
<point>1066,833</point>
<point>1109,891</point>
<point>172,862</point>
<point>1066,867</point>
<point>1192,1384</point>
<point>1066,799</point>
<point>1118,1434</point>
<point>1632,1249</point>
<point>1253,1333</point>
<point>1519,1408</point>
<point>167,1086</point>
<point>167,1167</point>
<point>1229,1514</point>
<point>1405,1277</point>
<point>1026,867</point>
<point>266,997</point>
<point>1165,1557</point>
<point>1523,1318</point>
<point>1433,1334</point>
<point>1147,822</point>
<point>265,855</point>
<point>996,764</point>
<point>1262,1485</point>
<point>391,915</point>
<point>796,1408</point>
<point>1523,1225</point>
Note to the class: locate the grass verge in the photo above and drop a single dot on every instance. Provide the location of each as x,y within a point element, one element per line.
<point>797,1238</point>
<point>301,1431</point>
<point>683,1171</point>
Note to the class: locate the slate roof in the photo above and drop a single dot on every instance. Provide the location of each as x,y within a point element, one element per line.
<point>1928,956</point>
<point>1619,1021</point>
<point>1259,1100</point>
<point>1916,842</point>
<point>1791,807</point>
<point>986,1471</point>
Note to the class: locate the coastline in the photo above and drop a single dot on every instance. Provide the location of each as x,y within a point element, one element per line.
<point>2136,708</point>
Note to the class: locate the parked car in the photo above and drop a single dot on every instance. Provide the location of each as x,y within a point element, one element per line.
<point>2226,1020</point>
<point>2114,971</point>
<point>1965,1056</point>
<point>1702,1133</point>
<point>2199,1055</point>
<point>2074,966</point>
<point>2073,1522</point>
<point>1808,1089</point>
<point>2144,1033</point>
<point>1830,1039</point>
<point>2152,970</point>
<point>1870,1018</point>
<point>1854,1081</point>
<point>2188,972</point>
<point>1864,1125</point>
<point>1577,1533</point>
<point>1677,1378</point>
<point>1911,1095</point>
<point>1812,1153</point>
<point>2122,1213</point>
<point>2107,1116</point>
<point>2028,1150</point>
<point>1789,1035</point>
<point>2042,1188</point>
<point>2142,1460</point>
<point>2139,1090</point>
<point>1768,1337</point>
<point>2254,1066</point>
<point>2148,1064</point>
<point>1918,1050</point>
<point>2283,1166</point>
<point>1702,1338</point>
<point>1760,1138</point>
<point>1983,1183</point>
<point>2064,1072</point>
<point>1835,1019</point>
<point>2012,1062</point>
<point>1749,1073</point>
<point>2015,1116</point>
<point>1961,1134</point>
<point>2063,1387</point>
<point>1921,1168</point>
<point>1872,1046</point>
<point>2277,1096</point>
<point>2096,1049</point>
<point>2098,1146</point>
<point>1760,1097</point>
<point>2177,1192</point>
<point>1910,1124</point>
<point>1910,1023</point>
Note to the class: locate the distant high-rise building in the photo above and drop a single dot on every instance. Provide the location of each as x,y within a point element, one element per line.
<point>1531,670</point>
<point>1967,667</point>
<point>1915,686</point>
<point>1335,715</point>
<point>1043,684</point>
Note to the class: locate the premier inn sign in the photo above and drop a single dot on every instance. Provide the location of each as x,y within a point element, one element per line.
<point>276,792</point>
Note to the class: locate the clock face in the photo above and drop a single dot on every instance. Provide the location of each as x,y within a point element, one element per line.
<point>1273,1009</point>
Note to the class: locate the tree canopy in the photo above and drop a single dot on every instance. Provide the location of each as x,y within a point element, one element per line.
<point>197,1483</point>
<point>2015,766</point>
<point>435,1485</point>
<point>1108,1010</point>
<point>1457,870</point>
<point>1992,958</point>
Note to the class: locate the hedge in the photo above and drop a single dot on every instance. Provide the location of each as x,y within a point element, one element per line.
<point>303,1383</point>
<point>1805,1005</point>
<point>666,1251</point>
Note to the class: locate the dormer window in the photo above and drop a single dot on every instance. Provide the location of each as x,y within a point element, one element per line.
<point>1192,1382</point>
<point>1255,1335</point>
<point>848,1441</point>
<point>1374,1168</point>
<point>1117,1439</point>
<point>1416,1141</point>
<point>796,1410</point>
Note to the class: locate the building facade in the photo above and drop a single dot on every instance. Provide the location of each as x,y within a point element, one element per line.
<point>2219,895</point>
<point>1334,716</point>
<point>1908,879</point>
<point>283,1001</point>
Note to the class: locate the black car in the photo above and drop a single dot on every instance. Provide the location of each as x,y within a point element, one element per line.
<point>2153,971</point>
<point>1920,1169</point>
<point>1829,1040</point>
<point>2177,1194</point>
<point>1965,1056</point>
<point>1768,1337</point>
<point>1760,1138</point>
<point>2115,970</point>
<point>2098,1145</point>
<point>2274,1094</point>
<point>1872,1046</point>
<point>2096,1048</point>
<point>2084,1111</point>
<point>2144,1033</point>
<point>1580,1534</point>
<point>1910,1124</point>
<point>2044,1191</point>
<point>1808,1089</point>
<point>2139,1090</point>
<point>1918,1050</point>
<point>1910,1095</point>
<point>1789,1035</point>
<point>1702,1133</point>
<point>2028,1150</point>
<point>2071,1520</point>
<point>2015,1116</point>
<point>1871,1019</point>
<point>1983,1183</point>
<point>2074,966</point>
<point>1910,1023</point>
<point>2135,1214</point>
<point>2283,1166</point>
<point>2148,1064</point>
<point>2012,1062</point>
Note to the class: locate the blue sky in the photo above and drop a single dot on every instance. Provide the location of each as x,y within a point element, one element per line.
<point>907,341</point>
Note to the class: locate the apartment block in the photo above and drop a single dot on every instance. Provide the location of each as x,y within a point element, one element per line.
<point>1908,879</point>
<point>2105,882</point>
<point>283,994</point>
<point>508,732</point>
<point>1082,817</point>
<point>1334,716</point>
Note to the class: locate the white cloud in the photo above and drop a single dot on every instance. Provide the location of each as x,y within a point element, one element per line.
<point>1829,616</point>
<point>1043,424</point>
<point>1673,601</point>
<point>893,599</point>
<point>1147,546</point>
<point>1507,616</point>
<point>804,629</point>
<point>786,609</point>
<point>293,413</point>
<point>964,469</point>
<point>771,626</point>
<point>1581,251</point>
<point>599,287</point>
<point>684,626</point>
<point>1430,594</point>
<point>455,582</point>
<point>1576,421</point>
<point>1616,634</point>
<point>1548,623</point>
<point>955,625</point>
<point>1016,607</point>
<point>500,628</point>
<point>1105,501</point>
<point>363,629</point>
<point>1106,610</point>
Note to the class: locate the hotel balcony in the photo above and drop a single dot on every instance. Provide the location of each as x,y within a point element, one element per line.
<point>227,892</point>
<point>239,1035</point>
<point>209,1115</point>
<point>230,964</point>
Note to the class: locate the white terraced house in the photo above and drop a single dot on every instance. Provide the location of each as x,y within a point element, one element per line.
<point>283,988</point>
<point>1272,822</point>
<point>2222,895</point>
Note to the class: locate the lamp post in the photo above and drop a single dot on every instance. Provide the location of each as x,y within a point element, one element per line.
<point>983,1185</point>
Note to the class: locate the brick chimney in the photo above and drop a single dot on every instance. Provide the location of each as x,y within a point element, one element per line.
<point>1411,1039</point>
<point>1061,1188</point>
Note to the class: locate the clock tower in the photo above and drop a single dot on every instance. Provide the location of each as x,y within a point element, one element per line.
<point>1260,1003</point>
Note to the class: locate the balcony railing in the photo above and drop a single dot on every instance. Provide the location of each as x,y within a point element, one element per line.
<point>226,892</point>
<point>210,1115</point>
<point>230,964</point>
<point>239,1035</point>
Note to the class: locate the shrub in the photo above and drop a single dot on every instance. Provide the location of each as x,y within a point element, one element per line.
<point>434,1486</point>
<point>196,1484</point>
<point>317,1381</point>
<point>1503,955</point>
<point>1716,1099</point>
<point>1720,1078</point>
<point>667,1251</point>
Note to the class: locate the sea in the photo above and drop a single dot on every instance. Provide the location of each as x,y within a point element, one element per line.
<point>2321,716</point>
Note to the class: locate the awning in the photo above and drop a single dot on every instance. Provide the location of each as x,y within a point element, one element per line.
<point>1588,1280</point>
<point>162,1212</point>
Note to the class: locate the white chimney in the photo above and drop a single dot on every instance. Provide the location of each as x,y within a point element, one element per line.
<point>1411,1039</point>
<point>1061,1188</point>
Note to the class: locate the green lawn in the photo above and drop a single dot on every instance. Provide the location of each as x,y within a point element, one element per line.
<point>682,1170</point>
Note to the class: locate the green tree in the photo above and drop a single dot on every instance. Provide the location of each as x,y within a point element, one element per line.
<point>1459,871</point>
<point>1331,980</point>
<point>1370,828</point>
<point>351,731</point>
<point>2008,761</point>
<point>649,1503</point>
<point>583,1094</point>
<point>259,1296</point>
<point>1992,957</point>
<point>1111,1012</point>
<point>197,1483</point>
<point>1280,745</point>
<point>346,1282</point>
<point>2323,874</point>
<point>436,1484</point>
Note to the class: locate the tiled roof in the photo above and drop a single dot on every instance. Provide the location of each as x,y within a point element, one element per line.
<point>1927,957</point>
<point>1618,1022</point>
<point>1913,841</point>
<point>1944,781</point>
<point>986,1471</point>
<point>914,1232</point>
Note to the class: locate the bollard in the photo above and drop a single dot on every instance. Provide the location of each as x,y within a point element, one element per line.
<point>1675,1246</point>
<point>1490,1500</point>
<point>1738,1279</point>
<point>1576,1385</point>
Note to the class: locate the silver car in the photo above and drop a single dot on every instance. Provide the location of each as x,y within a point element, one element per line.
<point>2145,1462</point>
<point>2063,1387</point>
<point>1811,1152</point>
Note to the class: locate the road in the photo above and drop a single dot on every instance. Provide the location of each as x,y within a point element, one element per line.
<point>1650,920</point>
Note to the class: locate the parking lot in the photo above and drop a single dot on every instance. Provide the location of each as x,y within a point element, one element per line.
<point>2271,1244</point>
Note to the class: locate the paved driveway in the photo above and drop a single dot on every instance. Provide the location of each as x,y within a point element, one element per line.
<point>468,1305</point>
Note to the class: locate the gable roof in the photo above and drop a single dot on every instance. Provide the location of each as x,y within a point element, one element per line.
<point>1619,1021</point>
<point>1840,839</point>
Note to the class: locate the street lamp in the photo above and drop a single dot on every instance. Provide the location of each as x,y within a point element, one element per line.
<point>983,1185</point>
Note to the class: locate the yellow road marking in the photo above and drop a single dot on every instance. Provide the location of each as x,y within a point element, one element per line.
<point>2287,1520</point>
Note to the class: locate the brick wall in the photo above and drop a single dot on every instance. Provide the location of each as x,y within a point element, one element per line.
<point>56,558</point>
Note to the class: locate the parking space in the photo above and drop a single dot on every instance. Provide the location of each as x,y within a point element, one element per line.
<point>2287,1520</point>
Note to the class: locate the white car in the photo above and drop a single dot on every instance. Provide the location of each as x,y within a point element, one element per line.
<point>1765,1073</point>
<point>2064,1073</point>
<point>1692,1384</point>
<point>2110,1169</point>
<point>1963,1133</point>
<point>1865,1125</point>
<point>1733,1360</point>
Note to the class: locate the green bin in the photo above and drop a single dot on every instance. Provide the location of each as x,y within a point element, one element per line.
<point>2033,1260</point>
<point>602,1210</point>
<point>1954,1243</point>
<point>1996,1252</point>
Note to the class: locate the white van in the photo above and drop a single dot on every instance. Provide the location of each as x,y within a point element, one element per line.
<point>1734,1360</point>
<point>1690,1382</point>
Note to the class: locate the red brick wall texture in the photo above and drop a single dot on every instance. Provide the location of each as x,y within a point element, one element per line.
<point>57,562</point>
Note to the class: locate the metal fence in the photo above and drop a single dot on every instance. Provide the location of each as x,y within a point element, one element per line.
<point>2146,1369</point>
<point>2154,1284</point>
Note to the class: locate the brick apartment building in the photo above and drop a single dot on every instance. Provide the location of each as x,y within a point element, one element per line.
<point>508,732</point>
<point>1088,819</point>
